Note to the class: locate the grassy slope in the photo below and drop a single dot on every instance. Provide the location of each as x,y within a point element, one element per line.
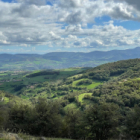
<point>94,84</point>
<point>122,89</point>
<point>8,98</point>
<point>36,87</point>
<point>71,106</point>
<point>81,96</point>
<point>130,74</point>
<point>9,83</point>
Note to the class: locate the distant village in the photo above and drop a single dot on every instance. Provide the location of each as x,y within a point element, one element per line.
<point>12,74</point>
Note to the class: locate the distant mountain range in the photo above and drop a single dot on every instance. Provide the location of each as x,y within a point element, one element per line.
<point>59,60</point>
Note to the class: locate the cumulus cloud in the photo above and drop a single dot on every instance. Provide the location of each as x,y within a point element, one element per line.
<point>96,43</point>
<point>134,3</point>
<point>54,36</point>
<point>74,18</point>
<point>133,6</point>
<point>74,28</point>
<point>71,3</point>
<point>65,23</point>
<point>120,11</point>
<point>87,12</point>
<point>35,2</point>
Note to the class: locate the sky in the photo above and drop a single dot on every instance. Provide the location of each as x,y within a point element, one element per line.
<point>42,26</point>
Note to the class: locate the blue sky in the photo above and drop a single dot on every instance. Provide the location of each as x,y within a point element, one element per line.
<point>33,26</point>
<point>129,24</point>
<point>7,0</point>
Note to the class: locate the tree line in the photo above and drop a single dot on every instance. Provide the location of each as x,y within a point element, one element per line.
<point>48,118</point>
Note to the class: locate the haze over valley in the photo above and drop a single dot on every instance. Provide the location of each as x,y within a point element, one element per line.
<point>61,60</point>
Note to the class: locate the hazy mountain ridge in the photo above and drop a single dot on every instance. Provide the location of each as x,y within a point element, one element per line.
<point>58,60</point>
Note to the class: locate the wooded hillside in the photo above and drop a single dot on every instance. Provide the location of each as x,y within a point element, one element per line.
<point>100,103</point>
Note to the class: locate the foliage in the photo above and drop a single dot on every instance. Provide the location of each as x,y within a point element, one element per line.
<point>133,123</point>
<point>43,73</point>
<point>43,119</point>
<point>84,82</point>
<point>106,71</point>
<point>70,109</point>
<point>102,121</point>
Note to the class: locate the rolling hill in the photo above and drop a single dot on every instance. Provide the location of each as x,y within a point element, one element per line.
<point>55,84</point>
<point>72,103</point>
<point>73,84</point>
<point>59,60</point>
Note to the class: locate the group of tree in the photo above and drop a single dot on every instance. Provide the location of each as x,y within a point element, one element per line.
<point>48,72</point>
<point>113,110</point>
<point>47,118</point>
<point>84,82</point>
<point>127,68</point>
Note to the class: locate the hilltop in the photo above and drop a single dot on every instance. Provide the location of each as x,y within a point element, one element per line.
<point>60,60</point>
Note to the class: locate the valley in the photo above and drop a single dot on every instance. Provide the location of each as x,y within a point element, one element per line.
<point>63,60</point>
<point>77,90</point>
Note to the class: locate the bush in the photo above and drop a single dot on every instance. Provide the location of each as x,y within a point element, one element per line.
<point>84,82</point>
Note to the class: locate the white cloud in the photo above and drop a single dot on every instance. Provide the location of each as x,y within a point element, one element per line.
<point>71,3</point>
<point>74,28</point>
<point>134,3</point>
<point>33,2</point>
<point>89,10</point>
<point>65,23</point>
<point>119,11</point>
<point>54,36</point>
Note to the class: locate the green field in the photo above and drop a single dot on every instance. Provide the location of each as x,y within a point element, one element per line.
<point>94,84</point>
<point>52,87</point>
<point>71,106</point>
<point>14,82</point>
<point>81,96</point>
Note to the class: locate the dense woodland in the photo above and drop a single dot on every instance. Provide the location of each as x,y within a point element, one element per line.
<point>101,103</point>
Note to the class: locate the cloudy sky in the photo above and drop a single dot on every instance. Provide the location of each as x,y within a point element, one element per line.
<point>41,26</point>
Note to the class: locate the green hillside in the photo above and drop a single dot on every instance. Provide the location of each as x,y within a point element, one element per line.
<point>101,103</point>
<point>60,60</point>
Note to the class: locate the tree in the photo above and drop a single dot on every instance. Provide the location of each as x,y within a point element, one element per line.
<point>21,118</point>
<point>101,121</point>
<point>49,119</point>
<point>3,114</point>
<point>133,123</point>
<point>1,120</point>
<point>71,123</point>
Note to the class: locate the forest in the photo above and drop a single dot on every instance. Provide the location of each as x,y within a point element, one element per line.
<point>101,103</point>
